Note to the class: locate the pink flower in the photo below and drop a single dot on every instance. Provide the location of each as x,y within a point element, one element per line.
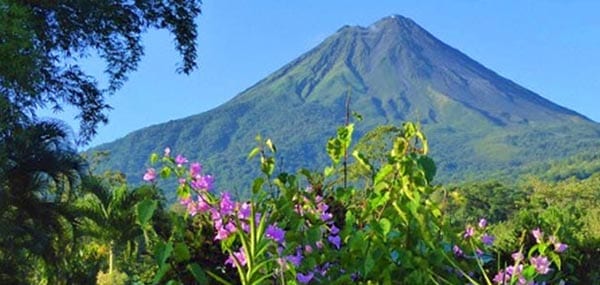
<point>239,256</point>
<point>227,205</point>
<point>541,263</point>
<point>482,223</point>
<point>202,206</point>
<point>560,247</point>
<point>517,256</point>
<point>469,231</point>
<point>457,251</point>
<point>308,249</point>
<point>192,209</point>
<point>150,175</point>
<point>244,211</point>
<point>502,278</point>
<point>195,169</point>
<point>185,201</point>
<point>538,235</point>
<point>222,234</point>
<point>180,160</point>
<point>203,183</point>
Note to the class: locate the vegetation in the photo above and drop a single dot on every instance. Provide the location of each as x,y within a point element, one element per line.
<point>42,42</point>
<point>372,215</point>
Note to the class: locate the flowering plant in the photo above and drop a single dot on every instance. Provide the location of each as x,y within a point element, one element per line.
<point>300,228</point>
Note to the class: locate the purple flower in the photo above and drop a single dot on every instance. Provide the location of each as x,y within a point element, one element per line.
<point>304,278</point>
<point>515,270</point>
<point>195,169</point>
<point>275,233</point>
<point>180,160</point>
<point>541,263</point>
<point>203,182</point>
<point>469,231</point>
<point>560,247</point>
<point>538,235</point>
<point>202,205</point>
<point>150,175</point>
<point>487,239</point>
<point>230,227</point>
<point>296,259</point>
<point>334,230</point>
<point>326,216</point>
<point>244,211</point>
<point>502,278</point>
<point>227,205</point>
<point>222,233</point>
<point>482,223</point>
<point>457,251</point>
<point>239,255</point>
<point>335,240</point>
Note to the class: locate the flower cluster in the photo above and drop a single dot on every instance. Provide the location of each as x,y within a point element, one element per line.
<point>538,261</point>
<point>476,237</point>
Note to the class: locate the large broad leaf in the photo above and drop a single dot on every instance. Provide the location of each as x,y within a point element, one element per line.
<point>145,210</point>
<point>428,166</point>
<point>162,252</point>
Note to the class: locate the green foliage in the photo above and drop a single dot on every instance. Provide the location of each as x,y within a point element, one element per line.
<point>43,42</point>
<point>112,278</point>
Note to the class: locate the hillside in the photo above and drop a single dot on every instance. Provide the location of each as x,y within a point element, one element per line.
<point>477,122</point>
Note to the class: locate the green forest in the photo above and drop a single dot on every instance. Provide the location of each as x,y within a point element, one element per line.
<point>374,214</point>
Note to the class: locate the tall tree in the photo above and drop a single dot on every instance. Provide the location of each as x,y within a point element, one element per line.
<point>42,43</point>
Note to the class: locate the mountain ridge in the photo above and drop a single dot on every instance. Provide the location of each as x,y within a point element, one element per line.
<point>394,71</point>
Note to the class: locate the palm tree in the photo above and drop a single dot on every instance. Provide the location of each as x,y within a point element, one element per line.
<point>39,169</point>
<point>108,216</point>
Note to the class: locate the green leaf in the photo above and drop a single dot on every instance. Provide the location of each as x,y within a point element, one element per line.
<point>386,226</point>
<point>153,158</point>
<point>334,150</point>
<point>165,172</point>
<point>181,252</point>
<point>369,264</point>
<point>257,185</point>
<point>428,166</point>
<point>328,171</point>
<point>267,165</point>
<point>162,270</point>
<point>362,160</point>
<point>145,210</point>
<point>199,275</point>
<point>253,152</point>
<point>383,173</point>
<point>163,252</point>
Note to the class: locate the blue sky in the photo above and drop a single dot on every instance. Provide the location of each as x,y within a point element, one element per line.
<point>550,47</point>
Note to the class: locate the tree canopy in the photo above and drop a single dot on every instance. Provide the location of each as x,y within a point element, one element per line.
<point>42,44</point>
